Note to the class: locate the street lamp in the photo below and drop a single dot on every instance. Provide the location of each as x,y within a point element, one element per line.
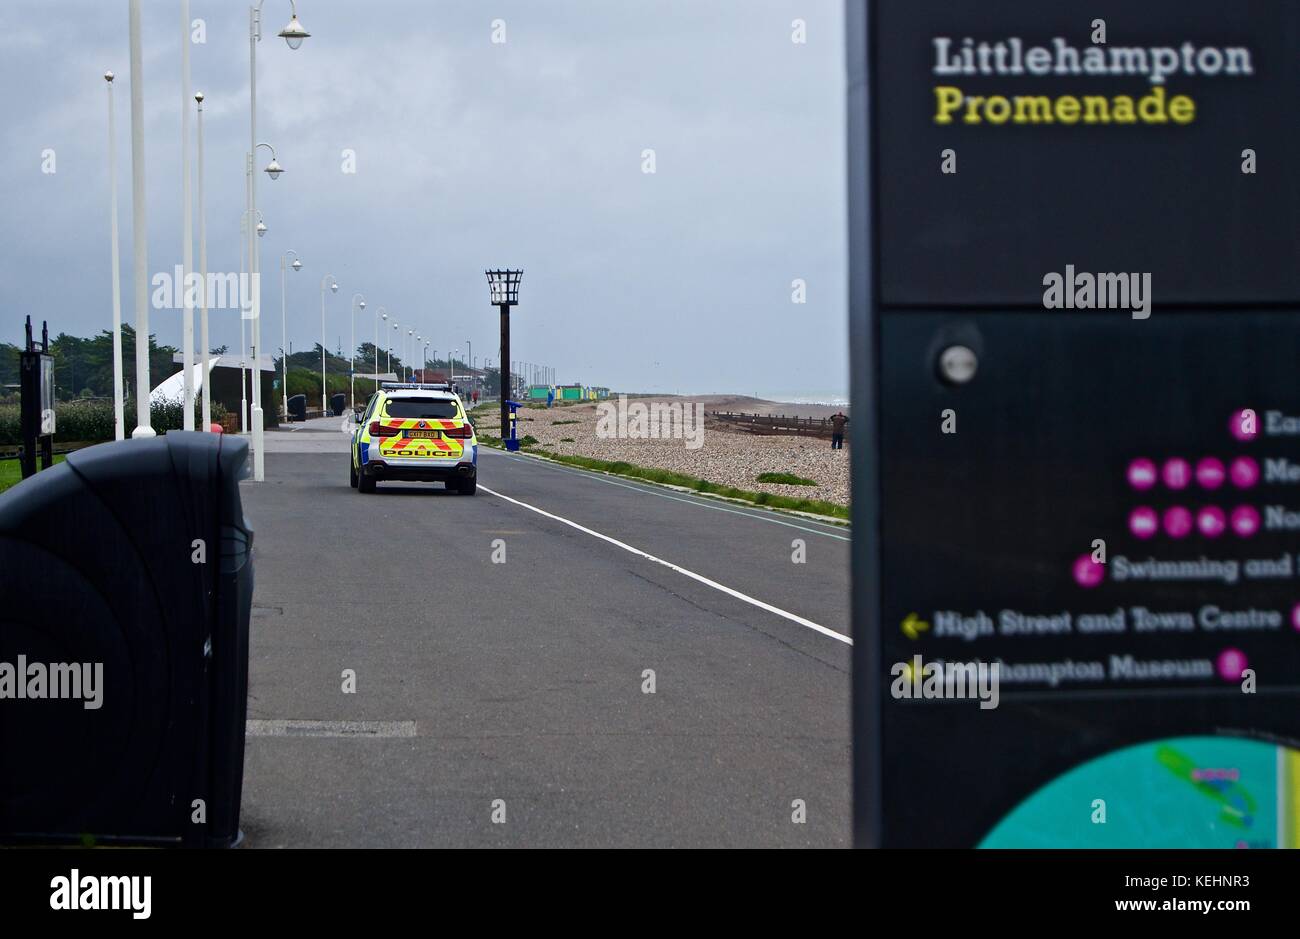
<point>245,302</point>
<point>377,312</point>
<point>352,355</point>
<point>119,417</point>
<point>334,287</point>
<point>284,334</point>
<point>451,369</point>
<point>273,170</point>
<point>390,345</point>
<point>388,348</point>
<point>406,367</point>
<point>293,35</point>
<point>503,287</point>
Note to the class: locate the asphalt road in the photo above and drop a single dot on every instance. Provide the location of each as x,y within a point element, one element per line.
<point>523,681</point>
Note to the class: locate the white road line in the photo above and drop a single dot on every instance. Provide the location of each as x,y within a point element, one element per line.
<point>298,728</point>
<point>817,627</point>
<point>704,504</point>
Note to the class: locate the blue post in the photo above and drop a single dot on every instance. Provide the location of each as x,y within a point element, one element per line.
<point>512,441</point>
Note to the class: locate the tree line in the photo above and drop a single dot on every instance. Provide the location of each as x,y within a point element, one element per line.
<point>83,367</point>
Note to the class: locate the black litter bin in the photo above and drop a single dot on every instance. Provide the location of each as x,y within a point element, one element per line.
<point>298,407</point>
<point>132,559</point>
<point>338,402</point>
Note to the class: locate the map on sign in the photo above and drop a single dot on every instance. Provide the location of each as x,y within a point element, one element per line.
<point>1184,792</point>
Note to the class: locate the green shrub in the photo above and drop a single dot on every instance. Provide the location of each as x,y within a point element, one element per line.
<point>787,479</point>
<point>10,431</point>
<point>92,421</point>
<point>304,382</point>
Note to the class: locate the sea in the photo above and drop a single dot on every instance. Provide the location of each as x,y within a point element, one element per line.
<point>836,399</point>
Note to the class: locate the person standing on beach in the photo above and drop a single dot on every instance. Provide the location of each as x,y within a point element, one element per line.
<point>838,420</point>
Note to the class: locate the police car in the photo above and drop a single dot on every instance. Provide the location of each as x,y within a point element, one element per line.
<point>414,432</point>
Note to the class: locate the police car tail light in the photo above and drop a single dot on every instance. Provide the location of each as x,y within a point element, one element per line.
<point>464,432</point>
<point>379,430</point>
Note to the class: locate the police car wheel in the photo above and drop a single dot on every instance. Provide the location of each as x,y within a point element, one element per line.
<point>365,483</point>
<point>467,487</point>
<point>352,473</point>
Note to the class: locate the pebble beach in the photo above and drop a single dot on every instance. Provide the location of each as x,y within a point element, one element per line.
<point>726,457</point>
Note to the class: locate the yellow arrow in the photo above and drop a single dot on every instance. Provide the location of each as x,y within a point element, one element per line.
<point>913,626</point>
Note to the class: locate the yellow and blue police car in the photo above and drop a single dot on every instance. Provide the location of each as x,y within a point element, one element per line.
<point>415,432</point>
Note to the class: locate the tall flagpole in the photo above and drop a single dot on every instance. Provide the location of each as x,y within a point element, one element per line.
<point>140,239</point>
<point>187,220</point>
<point>203,286</point>
<point>119,404</point>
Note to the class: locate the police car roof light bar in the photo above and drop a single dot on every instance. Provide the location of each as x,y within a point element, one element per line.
<point>414,386</point>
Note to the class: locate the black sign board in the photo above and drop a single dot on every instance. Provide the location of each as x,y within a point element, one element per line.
<point>36,410</point>
<point>1077,539</point>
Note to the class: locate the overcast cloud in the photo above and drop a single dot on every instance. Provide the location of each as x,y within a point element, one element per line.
<point>469,155</point>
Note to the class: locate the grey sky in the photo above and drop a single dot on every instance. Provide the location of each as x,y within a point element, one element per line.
<point>469,155</point>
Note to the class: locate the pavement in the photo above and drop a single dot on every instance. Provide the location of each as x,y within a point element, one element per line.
<point>505,704</point>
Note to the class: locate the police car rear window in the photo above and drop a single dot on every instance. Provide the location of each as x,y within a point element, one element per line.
<point>422,408</point>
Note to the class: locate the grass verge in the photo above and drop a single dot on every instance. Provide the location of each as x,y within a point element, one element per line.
<point>11,471</point>
<point>669,478</point>
<point>785,479</point>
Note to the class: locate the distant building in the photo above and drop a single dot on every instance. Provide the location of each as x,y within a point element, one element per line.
<point>226,372</point>
<point>467,375</point>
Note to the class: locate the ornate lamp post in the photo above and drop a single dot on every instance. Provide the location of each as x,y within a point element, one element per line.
<point>503,287</point>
